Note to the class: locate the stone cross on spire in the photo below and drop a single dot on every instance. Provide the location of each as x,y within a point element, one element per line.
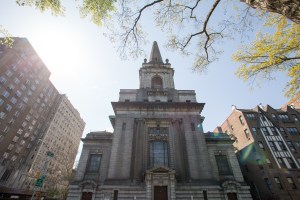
<point>155,56</point>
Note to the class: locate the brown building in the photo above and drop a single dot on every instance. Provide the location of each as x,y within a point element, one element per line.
<point>294,102</point>
<point>28,105</point>
<point>267,143</point>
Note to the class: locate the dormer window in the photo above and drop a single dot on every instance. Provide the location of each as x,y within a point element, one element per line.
<point>156,82</point>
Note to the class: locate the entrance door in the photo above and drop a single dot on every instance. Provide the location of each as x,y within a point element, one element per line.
<point>86,196</point>
<point>232,196</point>
<point>160,193</point>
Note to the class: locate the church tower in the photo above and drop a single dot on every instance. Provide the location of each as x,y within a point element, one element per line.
<point>158,149</point>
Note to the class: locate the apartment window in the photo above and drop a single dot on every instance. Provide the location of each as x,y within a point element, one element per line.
<point>26,135</point>
<point>10,147</point>
<point>16,80</point>
<point>2,115</point>
<point>13,100</point>
<point>223,165</point>
<point>10,87</point>
<point>260,144</point>
<point>11,121</point>
<point>1,102</point>
<point>23,87</point>
<point>250,116</point>
<point>254,131</point>
<point>5,93</point>
<point>27,82</point>
<point>281,163</point>
<point>13,158</point>
<point>2,79</point>
<point>282,145</point>
<point>291,162</point>
<point>291,146</point>
<point>265,131</point>
<point>278,183</point>
<point>298,144</point>
<point>21,75</point>
<point>283,117</point>
<point>94,163</point>
<point>241,119</point>
<point>291,182</point>
<point>273,130</point>
<point>18,93</point>
<point>14,67</point>
<point>282,131</point>
<point>123,126</point>
<point>28,117</point>
<point>6,129</point>
<point>8,107</point>
<point>20,131</point>
<point>274,116</point>
<point>25,99</point>
<point>5,175</point>
<point>272,145</point>
<point>159,153</point>
<point>292,130</point>
<point>269,163</point>
<point>8,73</point>
<point>17,113</point>
<point>192,126</point>
<point>247,134</point>
<point>268,183</point>
<point>15,139</point>
<point>295,117</point>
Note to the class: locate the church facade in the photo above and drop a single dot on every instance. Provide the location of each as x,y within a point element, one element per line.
<point>158,150</point>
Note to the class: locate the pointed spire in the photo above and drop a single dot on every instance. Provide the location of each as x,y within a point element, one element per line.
<point>155,56</point>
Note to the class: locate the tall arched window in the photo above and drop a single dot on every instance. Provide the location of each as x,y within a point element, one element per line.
<point>159,153</point>
<point>156,82</point>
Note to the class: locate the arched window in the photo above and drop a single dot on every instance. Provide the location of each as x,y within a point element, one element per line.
<point>159,153</point>
<point>156,82</point>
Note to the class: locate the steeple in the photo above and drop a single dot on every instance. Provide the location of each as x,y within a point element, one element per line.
<point>155,56</point>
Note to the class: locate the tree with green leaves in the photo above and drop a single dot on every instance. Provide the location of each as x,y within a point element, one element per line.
<point>191,26</point>
<point>270,53</point>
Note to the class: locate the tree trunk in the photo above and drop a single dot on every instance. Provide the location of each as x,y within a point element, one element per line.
<point>288,8</point>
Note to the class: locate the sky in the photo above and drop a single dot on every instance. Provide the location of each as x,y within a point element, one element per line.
<point>86,67</point>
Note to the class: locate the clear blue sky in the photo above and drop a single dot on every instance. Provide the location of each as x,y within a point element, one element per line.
<point>86,67</point>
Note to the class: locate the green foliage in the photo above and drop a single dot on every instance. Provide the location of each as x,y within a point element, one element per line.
<point>52,5</point>
<point>7,40</point>
<point>190,30</point>
<point>278,51</point>
<point>97,9</point>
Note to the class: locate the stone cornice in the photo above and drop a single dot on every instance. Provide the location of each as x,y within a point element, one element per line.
<point>158,106</point>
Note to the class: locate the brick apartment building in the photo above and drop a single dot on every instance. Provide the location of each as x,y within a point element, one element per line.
<point>267,143</point>
<point>28,105</point>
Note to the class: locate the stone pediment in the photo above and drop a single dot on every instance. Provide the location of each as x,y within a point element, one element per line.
<point>161,169</point>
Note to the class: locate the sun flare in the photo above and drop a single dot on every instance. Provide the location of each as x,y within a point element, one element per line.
<point>61,50</point>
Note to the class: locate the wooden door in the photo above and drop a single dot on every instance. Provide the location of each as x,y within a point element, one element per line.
<point>86,196</point>
<point>160,193</point>
<point>232,196</point>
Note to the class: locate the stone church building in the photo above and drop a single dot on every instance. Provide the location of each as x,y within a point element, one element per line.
<point>158,150</point>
